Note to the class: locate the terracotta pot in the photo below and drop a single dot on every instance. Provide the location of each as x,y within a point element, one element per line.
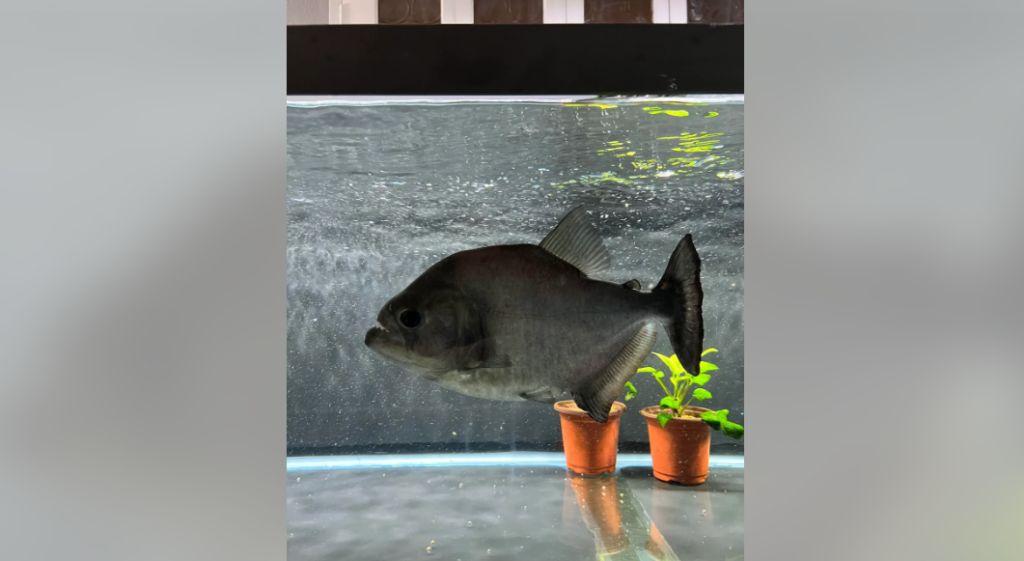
<point>574,531</point>
<point>590,447</point>
<point>598,500</point>
<point>656,545</point>
<point>679,452</point>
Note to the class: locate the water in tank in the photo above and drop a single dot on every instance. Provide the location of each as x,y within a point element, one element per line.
<point>387,461</point>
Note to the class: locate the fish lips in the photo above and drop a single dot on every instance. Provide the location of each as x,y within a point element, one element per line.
<point>386,343</point>
<point>374,337</point>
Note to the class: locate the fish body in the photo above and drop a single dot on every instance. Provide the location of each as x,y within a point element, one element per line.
<point>514,322</point>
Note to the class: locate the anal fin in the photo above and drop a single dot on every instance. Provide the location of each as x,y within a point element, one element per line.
<point>598,394</point>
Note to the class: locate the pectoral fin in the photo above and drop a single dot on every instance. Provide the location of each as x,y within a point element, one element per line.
<point>543,395</point>
<point>481,354</point>
<point>496,361</point>
<point>597,394</point>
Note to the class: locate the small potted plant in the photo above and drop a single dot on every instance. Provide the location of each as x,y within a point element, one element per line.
<point>680,433</point>
<point>590,447</point>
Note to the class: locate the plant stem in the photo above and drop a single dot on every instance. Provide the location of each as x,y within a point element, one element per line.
<point>679,394</point>
<point>662,384</point>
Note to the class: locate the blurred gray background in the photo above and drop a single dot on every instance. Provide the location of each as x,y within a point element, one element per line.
<point>142,407</point>
<point>376,194</point>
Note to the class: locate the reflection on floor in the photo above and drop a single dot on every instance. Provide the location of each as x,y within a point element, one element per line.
<point>535,513</point>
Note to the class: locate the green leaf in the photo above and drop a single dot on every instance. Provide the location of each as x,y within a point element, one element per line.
<point>719,420</point>
<point>664,418</point>
<point>711,418</point>
<point>646,369</point>
<point>658,374</point>
<point>702,379</point>
<point>671,363</point>
<point>732,429</point>
<point>669,403</point>
<point>706,351</point>
<point>630,391</point>
<point>707,367</point>
<point>701,394</point>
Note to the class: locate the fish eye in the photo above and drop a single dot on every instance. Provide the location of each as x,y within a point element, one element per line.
<point>409,318</point>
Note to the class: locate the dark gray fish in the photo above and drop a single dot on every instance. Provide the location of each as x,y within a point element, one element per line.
<point>512,322</point>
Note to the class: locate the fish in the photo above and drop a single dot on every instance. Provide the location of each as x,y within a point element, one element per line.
<point>533,322</point>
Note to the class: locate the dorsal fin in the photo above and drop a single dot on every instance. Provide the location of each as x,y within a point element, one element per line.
<point>576,242</point>
<point>597,395</point>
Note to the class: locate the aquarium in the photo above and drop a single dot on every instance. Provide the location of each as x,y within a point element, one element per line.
<point>387,464</point>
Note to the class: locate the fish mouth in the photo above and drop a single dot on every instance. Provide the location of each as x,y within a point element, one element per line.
<point>374,333</point>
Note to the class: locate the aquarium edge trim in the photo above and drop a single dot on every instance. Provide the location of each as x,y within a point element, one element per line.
<point>484,459</point>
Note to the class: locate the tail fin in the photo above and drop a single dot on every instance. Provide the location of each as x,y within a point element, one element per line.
<point>682,282</point>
